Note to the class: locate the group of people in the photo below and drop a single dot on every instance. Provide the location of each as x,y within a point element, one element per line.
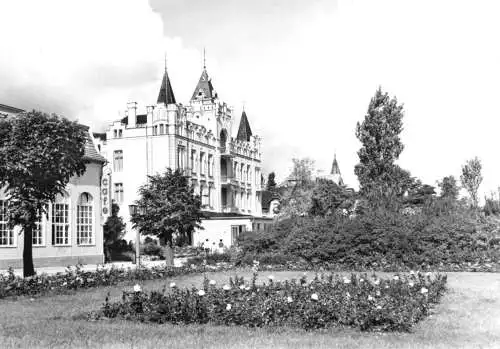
<point>214,247</point>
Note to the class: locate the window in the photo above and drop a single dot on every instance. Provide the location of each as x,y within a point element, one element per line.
<point>84,221</point>
<point>249,174</point>
<point>249,206</point>
<point>162,129</point>
<point>155,130</point>
<point>118,160</point>
<point>38,239</point>
<point>202,163</point>
<point>120,133</point>
<point>241,172</point>
<point>115,133</point>
<point>235,170</point>
<point>193,161</point>
<point>6,234</point>
<point>210,165</point>
<point>242,200</point>
<point>60,222</point>
<point>236,230</point>
<point>180,157</point>
<point>205,196</point>
<point>119,193</point>
<point>211,196</point>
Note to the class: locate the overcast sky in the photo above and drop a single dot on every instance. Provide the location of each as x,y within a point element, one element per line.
<point>305,69</point>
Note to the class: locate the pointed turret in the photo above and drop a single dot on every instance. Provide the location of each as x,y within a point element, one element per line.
<point>166,95</point>
<point>335,166</point>
<point>204,89</point>
<point>244,131</point>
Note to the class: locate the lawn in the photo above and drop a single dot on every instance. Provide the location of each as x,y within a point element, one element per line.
<point>468,317</point>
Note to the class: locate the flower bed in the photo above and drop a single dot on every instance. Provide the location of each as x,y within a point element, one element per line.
<point>76,278</point>
<point>368,303</point>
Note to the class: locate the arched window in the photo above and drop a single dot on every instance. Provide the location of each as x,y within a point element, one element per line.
<point>84,220</point>
<point>60,221</point>
<point>223,139</point>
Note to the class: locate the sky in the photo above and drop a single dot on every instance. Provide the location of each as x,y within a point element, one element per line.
<point>304,69</point>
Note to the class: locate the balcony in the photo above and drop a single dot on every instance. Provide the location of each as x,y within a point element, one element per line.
<point>226,180</point>
<point>229,209</point>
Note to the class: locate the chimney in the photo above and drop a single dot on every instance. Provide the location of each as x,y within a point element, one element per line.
<point>132,114</point>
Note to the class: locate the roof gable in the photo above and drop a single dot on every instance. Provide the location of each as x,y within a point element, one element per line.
<point>244,131</point>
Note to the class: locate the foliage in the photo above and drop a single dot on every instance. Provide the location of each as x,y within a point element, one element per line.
<point>491,206</point>
<point>449,188</point>
<point>368,303</point>
<point>39,153</point>
<point>170,207</point>
<point>295,201</point>
<point>77,278</point>
<point>302,171</point>
<point>151,249</point>
<point>381,147</point>
<point>328,198</point>
<point>271,182</point>
<point>471,179</point>
<point>113,230</point>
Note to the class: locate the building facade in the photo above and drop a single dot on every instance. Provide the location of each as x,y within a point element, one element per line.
<point>71,233</point>
<point>196,138</point>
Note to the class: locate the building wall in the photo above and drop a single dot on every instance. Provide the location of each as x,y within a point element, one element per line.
<point>47,254</point>
<point>152,147</point>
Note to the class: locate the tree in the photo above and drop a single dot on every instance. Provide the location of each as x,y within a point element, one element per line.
<point>39,153</point>
<point>328,197</point>
<point>381,146</point>
<point>169,208</point>
<point>302,171</point>
<point>271,182</point>
<point>471,179</point>
<point>113,229</point>
<point>449,188</point>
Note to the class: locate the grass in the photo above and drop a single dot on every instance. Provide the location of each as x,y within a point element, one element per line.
<point>468,317</point>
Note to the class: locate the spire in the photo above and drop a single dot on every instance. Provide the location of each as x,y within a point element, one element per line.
<point>166,95</point>
<point>335,165</point>
<point>204,88</point>
<point>244,131</point>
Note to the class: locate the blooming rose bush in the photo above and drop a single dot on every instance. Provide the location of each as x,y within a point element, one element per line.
<point>76,278</point>
<point>369,303</point>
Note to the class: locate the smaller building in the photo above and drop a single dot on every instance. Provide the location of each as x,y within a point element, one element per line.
<point>72,232</point>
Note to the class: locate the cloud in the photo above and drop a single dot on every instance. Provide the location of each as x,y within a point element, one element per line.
<point>85,59</point>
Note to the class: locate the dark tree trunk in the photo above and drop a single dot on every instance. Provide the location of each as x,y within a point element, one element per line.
<point>28,267</point>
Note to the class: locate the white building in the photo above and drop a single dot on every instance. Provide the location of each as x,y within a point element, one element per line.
<point>196,138</point>
<point>72,232</point>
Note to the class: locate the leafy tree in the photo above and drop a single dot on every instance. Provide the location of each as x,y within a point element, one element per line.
<point>114,230</point>
<point>271,182</point>
<point>381,147</point>
<point>169,208</point>
<point>449,188</point>
<point>420,194</point>
<point>471,179</point>
<point>39,153</point>
<point>302,171</point>
<point>328,197</point>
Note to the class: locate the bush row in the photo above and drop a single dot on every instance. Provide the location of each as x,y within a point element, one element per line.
<point>368,303</point>
<point>387,241</point>
<point>77,278</point>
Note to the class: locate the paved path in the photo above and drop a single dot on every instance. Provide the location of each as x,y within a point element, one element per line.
<point>90,267</point>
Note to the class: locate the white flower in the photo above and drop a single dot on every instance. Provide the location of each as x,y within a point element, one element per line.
<point>428,274</point>
<point>228,307</point>
<point>377,281</point>
<point>411,284</point>
<point>378,293</point>
<point>247,288</point>
<point>226,287</point>
<point>314,297</point>
<point>201,293</point>
<point>289,299</point>
<point>64,283</point>
<point>137,288</point>
<point>412,272</point>
<point>348,295</point>
<point>347,281</point>
<point>386,286</point>
<point>172,285</point>
<point>256,262</point>
<point>424,290</point>
<point>361,280</point>
<point>212,282</point>
<point>395,278</point>
<point>379,307</point>
<point>242,287</point>
<point>370,298</point>
<point>271,277</point>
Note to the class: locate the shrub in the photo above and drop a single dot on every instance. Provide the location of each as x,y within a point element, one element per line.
<point>151,249</point>
<point>326,301</point>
